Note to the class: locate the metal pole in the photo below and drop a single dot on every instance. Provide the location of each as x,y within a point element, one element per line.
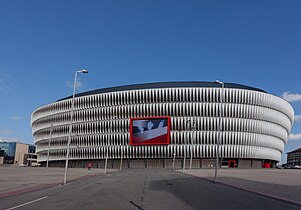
<point>106,163</point>
<point>18,161</point>
<point>50,135</point>
<point>220,131</point>
<point>192,142</point>
<point>111,129</point>
<point>173,162</point>
<point>184,163</point>
<point>70,129</point>
<point>70,124</point>
<point>121,159</point>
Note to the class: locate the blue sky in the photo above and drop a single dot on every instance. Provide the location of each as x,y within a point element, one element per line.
<point>42,43</point>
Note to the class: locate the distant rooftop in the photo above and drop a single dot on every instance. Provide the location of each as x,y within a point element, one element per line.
<point>14,141</point>
<point>297,150</point>
<point>10,140</point>
<point>164,85</point>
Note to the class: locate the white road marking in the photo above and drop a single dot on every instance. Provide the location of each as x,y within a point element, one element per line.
<point>24,204</point>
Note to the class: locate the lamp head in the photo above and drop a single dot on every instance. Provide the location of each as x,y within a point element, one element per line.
<point>219,82</point>
<point>84,71</point>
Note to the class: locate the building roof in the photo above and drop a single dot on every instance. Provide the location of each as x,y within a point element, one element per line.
<point>294,151</point>
<point>15,142</point>
<point>164,85</point>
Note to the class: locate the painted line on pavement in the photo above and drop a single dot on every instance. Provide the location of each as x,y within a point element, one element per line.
<point>24,204</point>
<point>27,190</point>
<point>39,187</point>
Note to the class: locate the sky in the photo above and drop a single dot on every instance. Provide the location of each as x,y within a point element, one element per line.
<point>42,44</point>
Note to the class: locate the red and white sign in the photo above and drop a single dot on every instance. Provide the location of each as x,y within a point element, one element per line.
<point>150,131</point>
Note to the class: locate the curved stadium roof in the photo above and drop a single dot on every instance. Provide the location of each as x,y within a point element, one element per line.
<point>164,85</point>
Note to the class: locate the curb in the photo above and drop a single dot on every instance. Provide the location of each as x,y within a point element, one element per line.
<point>251,191</point>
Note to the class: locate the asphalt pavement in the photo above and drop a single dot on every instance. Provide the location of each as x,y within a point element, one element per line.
<point>142,189</point>
<point>279,183</point>
<point>18,179</point>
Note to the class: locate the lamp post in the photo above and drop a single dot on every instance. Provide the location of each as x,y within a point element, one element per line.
<point>220,128</point>
<point>173,161</point>
<point>192,140</point>
<point>184,162</point>
<point>121,159</point>
<point>70,124</point>
<point>121,155</point>
<point>111,129</point>
<point>106,162</point>
<point>50,135</point>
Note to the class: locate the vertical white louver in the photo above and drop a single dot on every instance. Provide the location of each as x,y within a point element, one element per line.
<point>255,124</point>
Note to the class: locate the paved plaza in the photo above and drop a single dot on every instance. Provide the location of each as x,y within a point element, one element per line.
<point>149,189</point>
<point>279,183</point>
<point>16,179</point>
<point>143,189</point>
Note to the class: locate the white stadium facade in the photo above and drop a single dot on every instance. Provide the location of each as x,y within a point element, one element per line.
<point>248,126</point>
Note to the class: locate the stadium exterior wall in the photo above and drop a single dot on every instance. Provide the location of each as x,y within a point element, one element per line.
<point>255,125</point>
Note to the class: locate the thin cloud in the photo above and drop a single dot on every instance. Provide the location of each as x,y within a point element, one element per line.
<point>79,84</point>
<point>15,118</point>
<point>9,139</point>
<point>297,118</point>
<point>6,85</point>
<point>295,136</point>
<point>291,96</point>
<point>6,131</point>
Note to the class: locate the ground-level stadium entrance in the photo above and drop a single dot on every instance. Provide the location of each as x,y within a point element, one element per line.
<point>164,163</point>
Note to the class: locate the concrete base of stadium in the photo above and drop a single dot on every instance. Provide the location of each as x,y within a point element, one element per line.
<point>166,163</point>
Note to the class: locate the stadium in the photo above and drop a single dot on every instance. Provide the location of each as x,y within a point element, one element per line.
<point>175,122</point>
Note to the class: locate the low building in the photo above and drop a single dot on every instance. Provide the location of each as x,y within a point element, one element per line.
<point>30,159</point>
<point>294,158</point>
<point>17,153</point>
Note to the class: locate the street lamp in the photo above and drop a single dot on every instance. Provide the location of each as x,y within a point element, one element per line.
<point>184,161</point>
<point>50,135</point>
<point>173,161</point>
<point>71,120</point>
<point>121,156</point>
<point>220,128</point>
<point>192,140</point>
<point>111,129</point>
